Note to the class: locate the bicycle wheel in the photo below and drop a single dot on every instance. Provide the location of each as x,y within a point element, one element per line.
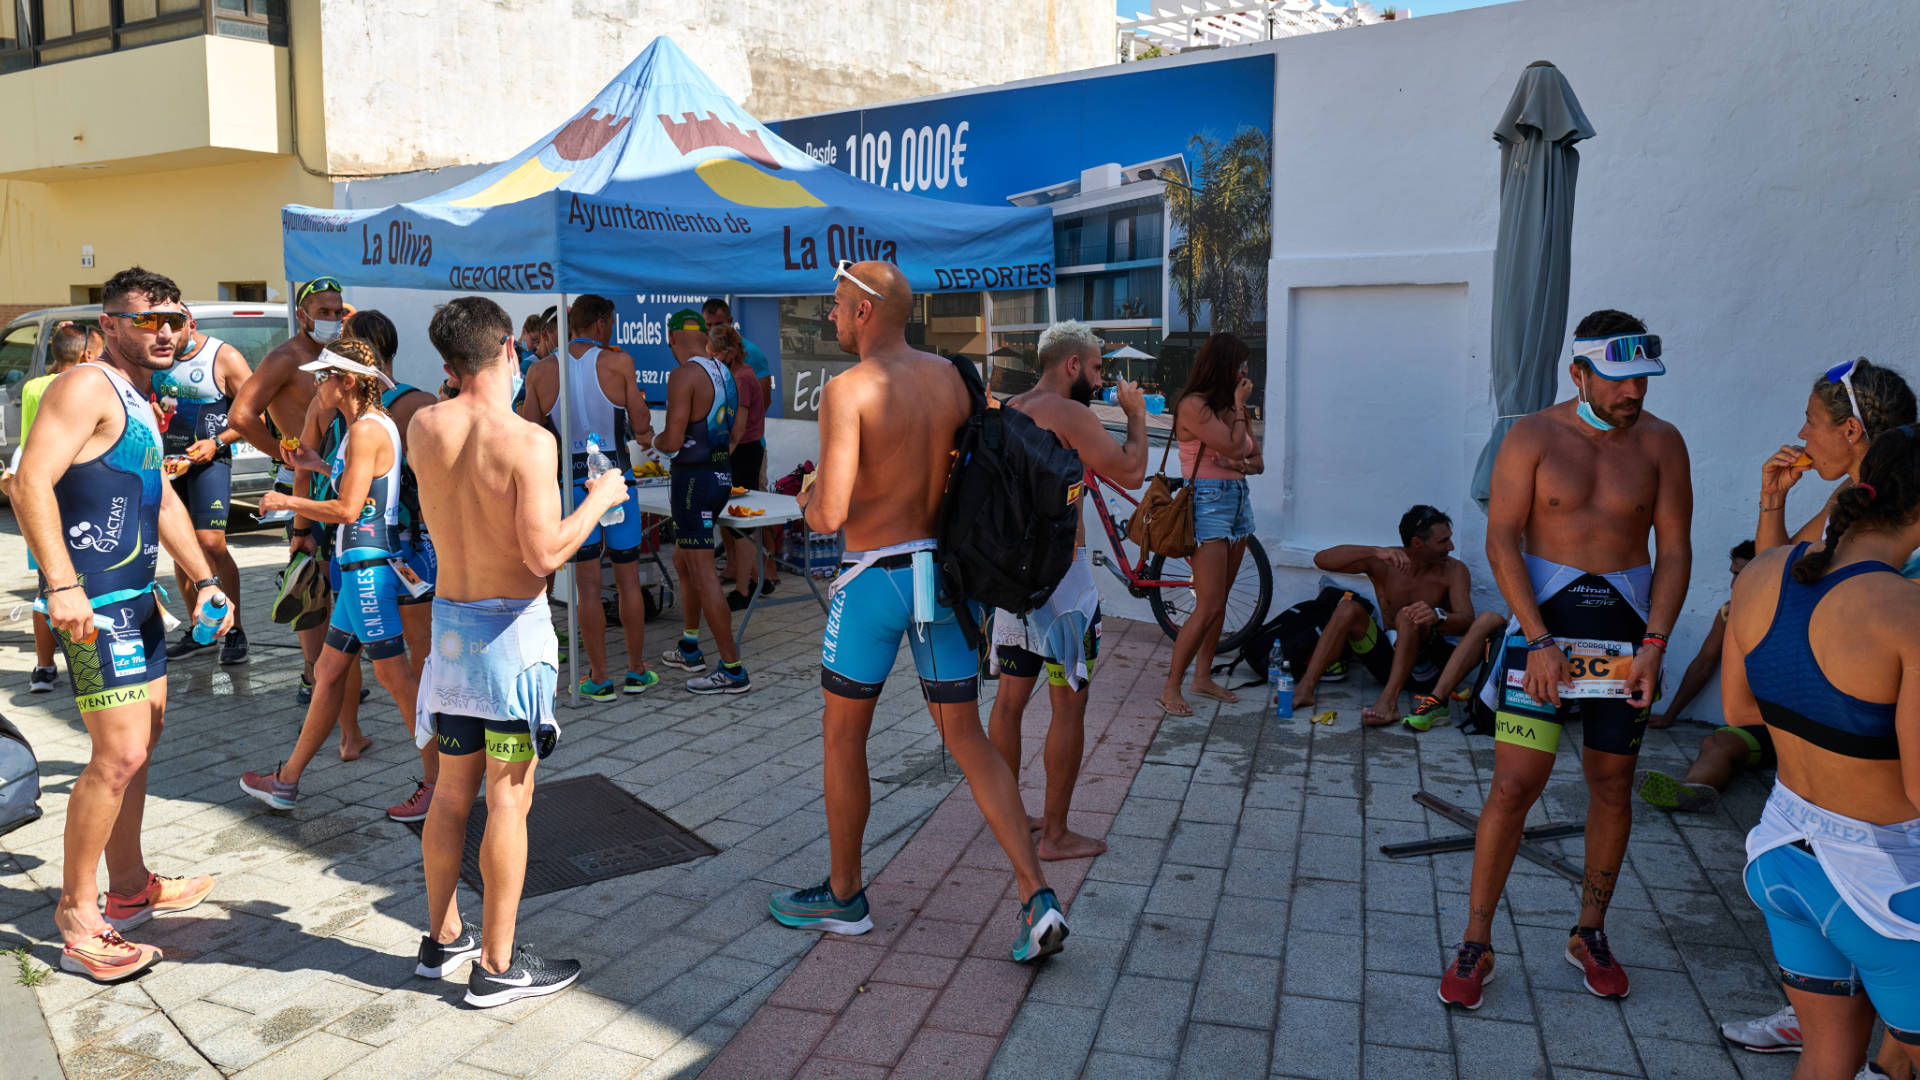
<point>1247,598</point>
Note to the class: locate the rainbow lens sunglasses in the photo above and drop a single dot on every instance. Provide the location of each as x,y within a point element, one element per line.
<point>152,320</point>
<point>1621,349</point>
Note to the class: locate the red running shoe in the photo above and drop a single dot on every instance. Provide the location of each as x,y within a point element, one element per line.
<point>1472,969</point>
<point>1587,950</point>
<point>159,896</point>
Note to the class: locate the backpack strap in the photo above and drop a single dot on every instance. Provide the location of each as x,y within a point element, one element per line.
<point>970,375</point>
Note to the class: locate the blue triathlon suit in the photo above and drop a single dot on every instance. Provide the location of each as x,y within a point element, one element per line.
<point>702,472</point>
<point>870,613</point>
<point>592,418</point>
<point>1820,944</point>
<point>200,412</point>
<point>366,604</point>
<point>110,520</point>
<point>416,547</point>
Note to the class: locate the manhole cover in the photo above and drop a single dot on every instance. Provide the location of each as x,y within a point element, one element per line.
<point>585,829</point>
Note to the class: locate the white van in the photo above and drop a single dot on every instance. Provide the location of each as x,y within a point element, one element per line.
<point>254,329</point>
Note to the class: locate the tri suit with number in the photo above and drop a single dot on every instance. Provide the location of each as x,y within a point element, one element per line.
<point>110,522</point>
<point>702,470</point>
<point>366,607</point>
<point>200,412</point>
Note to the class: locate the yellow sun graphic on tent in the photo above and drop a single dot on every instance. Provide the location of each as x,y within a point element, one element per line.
<point>583,137</point>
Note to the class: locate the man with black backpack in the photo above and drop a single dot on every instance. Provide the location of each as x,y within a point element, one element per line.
<point>1063,633</point>
<point>888,434</point>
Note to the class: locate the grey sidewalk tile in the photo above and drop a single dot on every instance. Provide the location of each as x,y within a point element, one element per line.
<point>1664,1057</point>
<point>1403,1010</point>
<point>1157,781</point>
<point>1222,1053</point>
<point>1665,1005</point>
<point>1733,980</point>
<point>1322,965</point>
<point>1215,803</point>
<point>1168,946</point>
<point>1081,974</point>
<point>1328,907</point>
<point>1335,858</point>
<point>1318,1040</point>
<point>1188,891</point>
<point>1332,815</point>
<point>1250,925</point>
<point>1270,792</point>
<point>1199,843</point>
<point>1409,944</point>
<point>1404,887</point>
<point>1103,1065</point>
<point>1106,909</point>
<point>1045,1042</point>
<point>1275,830</point>
<point>314,1057</point>
<point>1145,1017</point>
<point>1237,990</point>
<point>1493,1050</point>
<point>1152,818</point>
<point>1259,872</point>
<point>1135,860</point>
<point>1401,1062</point>
<point>1586,1031</point>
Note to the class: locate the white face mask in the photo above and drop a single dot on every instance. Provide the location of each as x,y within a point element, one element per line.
<point>326,332</point>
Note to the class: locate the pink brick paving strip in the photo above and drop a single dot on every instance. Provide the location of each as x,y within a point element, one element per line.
<point>929,992</point>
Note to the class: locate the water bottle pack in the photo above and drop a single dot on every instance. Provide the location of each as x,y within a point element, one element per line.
<point>1280,677</point>
<point>598,463</point>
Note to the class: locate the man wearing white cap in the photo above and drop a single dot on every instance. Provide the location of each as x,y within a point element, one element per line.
<point>366,611</point>
<point>1580,485</point>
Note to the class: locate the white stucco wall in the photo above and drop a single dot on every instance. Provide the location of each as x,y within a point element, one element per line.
<point>417,84</point>
<point>1750,194</point>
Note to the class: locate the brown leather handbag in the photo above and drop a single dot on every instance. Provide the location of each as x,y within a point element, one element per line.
<point>1163,522</point>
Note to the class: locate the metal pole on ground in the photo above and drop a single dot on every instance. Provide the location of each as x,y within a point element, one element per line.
<point>562,356</point>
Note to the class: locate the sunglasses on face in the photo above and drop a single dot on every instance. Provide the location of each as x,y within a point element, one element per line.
<point>152,320</point>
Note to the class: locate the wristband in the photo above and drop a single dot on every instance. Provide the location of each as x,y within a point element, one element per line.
<point>59,588</point>
<point>206,583</point>
<point>1654,639</point>
<point>1440,613</point>
<point>1544,641</point>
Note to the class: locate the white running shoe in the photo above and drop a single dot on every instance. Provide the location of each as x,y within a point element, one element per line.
<point>1776,1034</point>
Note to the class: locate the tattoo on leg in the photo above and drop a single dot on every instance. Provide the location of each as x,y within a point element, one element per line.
<point>1476,912</point>
<point>1597,891</point>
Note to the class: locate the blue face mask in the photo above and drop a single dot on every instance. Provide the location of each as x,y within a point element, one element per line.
<point>1585,412</point>
<point>518,382</point>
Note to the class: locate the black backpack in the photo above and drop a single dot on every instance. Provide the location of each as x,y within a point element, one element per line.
<point>1297,629</point>
<point>1011,512</point>
<point>19,779</point>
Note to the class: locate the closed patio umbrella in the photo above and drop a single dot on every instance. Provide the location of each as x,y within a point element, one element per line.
<point>1531,261</point>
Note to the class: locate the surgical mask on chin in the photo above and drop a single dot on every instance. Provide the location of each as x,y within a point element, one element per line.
<point>1586,413</point>
<point>518,382</point>
<point>325,332</point>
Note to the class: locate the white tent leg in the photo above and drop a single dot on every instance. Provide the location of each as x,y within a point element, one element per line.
<point>561,357</point>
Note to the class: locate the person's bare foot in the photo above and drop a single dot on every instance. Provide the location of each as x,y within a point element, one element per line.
<point>1302,697</point>
<point>1071,845</point>
<point>1374,716</point>
<point>1174,705</point>
<point>351,749</point>
<point>1217,693</point>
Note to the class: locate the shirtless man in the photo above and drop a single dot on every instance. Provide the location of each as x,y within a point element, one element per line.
<point>1064,633</point>
<point>206,375</point>
<point>1425,595</point>
<point>281,391</point>
<point>1580,485</point>
<point>95,514</point>
<point>488,495</point>
<point>887,430</point>
<point>608,410</point>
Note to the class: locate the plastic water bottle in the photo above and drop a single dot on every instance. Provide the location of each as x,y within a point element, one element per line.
<point>598,463</point>
<point>1281,677</point>
<point>213,611</point>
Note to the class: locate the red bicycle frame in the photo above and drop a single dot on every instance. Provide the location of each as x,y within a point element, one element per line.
<point>1134,573</point>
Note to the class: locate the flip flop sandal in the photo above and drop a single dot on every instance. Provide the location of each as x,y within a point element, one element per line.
<point>1175,708</point>
<point>1226,696</point>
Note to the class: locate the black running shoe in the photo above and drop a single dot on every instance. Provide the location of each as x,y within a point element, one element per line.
<point>438,961</point>
<point>42,679</point>
<point>233,647</point>
<point>737,601</point>
<point>186,646</point>
<point>528,976</point>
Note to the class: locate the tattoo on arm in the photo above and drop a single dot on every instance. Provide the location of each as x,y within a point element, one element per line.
<point>1597,891</point>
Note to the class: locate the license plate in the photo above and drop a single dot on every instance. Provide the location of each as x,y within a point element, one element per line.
<point>1598,669</point>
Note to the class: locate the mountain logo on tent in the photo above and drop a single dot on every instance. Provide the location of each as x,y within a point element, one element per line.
<point>730,178</point>
<point>581,140</point>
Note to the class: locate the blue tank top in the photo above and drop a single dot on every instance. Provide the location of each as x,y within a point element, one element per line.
<point>708,435</point>
<point>1795,695</point>
<point>375,533</point>
<point>110,506</point>
<point>200,408</point>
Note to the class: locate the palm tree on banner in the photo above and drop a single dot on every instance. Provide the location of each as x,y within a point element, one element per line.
<point>1227,219</point>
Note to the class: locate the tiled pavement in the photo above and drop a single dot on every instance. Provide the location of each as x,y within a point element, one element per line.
<point>1242,923</point>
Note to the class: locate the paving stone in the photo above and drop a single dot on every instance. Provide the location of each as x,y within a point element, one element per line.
<point>877,1027</point>
<point>1135,860</point>
<point>1316,1039</point>
<point>1402,1010</point>
<point>1185,890</point>
<point>1322,965</point>
<point>1587,1032</point>
<point>1109,1066</point>
<point>1666,1057</point>
<point>1151,818</point>
<point>1197,843</point>
<point>1145,1017</point>
<point>1214,1052</point>
<point>1332,815</point>
<point>1215,803</point>
<point>1259,872</point>
<point>1335,858</point>
<point>1168,947</point>
<point>1331,907</point>
<point>1404,887</point>
<point>1237,990</point>
<point>1081,974</point>
<point>1402,1061</point>
<point>1496,1049</point>
<point>1246,924</point>
<point>946,1055</point>
<point>1106,909</point>
<point>315,1057</point>
<point>1408,944</point>
<point>1047,1041</point>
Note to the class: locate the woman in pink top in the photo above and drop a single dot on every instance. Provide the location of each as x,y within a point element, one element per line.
<point>1217,452</point>
<point>747,454</point>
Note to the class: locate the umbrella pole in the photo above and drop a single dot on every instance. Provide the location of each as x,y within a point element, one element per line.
<point>562,357</point>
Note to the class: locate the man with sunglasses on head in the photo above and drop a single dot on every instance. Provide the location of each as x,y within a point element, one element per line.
<point>887,438</point>
<point>95,510</point>
<point>207,374</point>
<point>1577,489</point>
<point>281,391</point>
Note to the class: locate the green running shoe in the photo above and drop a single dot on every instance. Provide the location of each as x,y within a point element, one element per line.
<point>1667,793</point>
<point>641,680</point>
<point>818,909</point>
<point>1336,672</point>
<point>597,691</point>
<point>1043,928</point>
<point>1426,710</point>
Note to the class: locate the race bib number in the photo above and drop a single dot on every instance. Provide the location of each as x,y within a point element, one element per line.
<point>416,588</point>
<point>128,657</point>
<point>1598,669</point>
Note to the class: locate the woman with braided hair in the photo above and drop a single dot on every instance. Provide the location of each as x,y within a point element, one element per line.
<point>1821,648</point>
<point>1851,404</point>
<point>365,510</point>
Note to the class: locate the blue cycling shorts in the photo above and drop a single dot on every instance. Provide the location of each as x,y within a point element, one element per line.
<point>621,541</point>
<point>1822,947</point>
<point>366,609</point>
<point>864,627</point>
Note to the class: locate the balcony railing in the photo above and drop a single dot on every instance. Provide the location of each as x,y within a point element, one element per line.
<point>34,33</point>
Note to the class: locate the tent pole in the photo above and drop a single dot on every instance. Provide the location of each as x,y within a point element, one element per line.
<point>562,357</point>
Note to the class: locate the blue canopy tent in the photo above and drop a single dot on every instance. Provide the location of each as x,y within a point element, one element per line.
<point>664,184</point>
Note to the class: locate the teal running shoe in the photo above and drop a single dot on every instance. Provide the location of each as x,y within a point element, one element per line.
<point>639,681</point>
<point>597,691</point>
<point>1043,928</point>
<point>818,909</point>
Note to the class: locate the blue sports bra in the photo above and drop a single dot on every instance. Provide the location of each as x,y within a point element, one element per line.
<point>1795,695</point>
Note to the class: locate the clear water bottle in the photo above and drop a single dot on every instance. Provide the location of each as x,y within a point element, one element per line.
<point>1281,678</point>
<point>213,611</point>
<point>598,463</point>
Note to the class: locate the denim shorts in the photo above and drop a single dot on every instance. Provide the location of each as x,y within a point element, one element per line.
<point>1221,510</point>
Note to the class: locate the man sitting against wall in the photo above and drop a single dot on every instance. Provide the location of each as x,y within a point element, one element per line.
<point>1426,603</point>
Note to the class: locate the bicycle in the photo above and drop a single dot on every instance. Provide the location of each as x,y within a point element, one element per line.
<point>1167,584</point>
